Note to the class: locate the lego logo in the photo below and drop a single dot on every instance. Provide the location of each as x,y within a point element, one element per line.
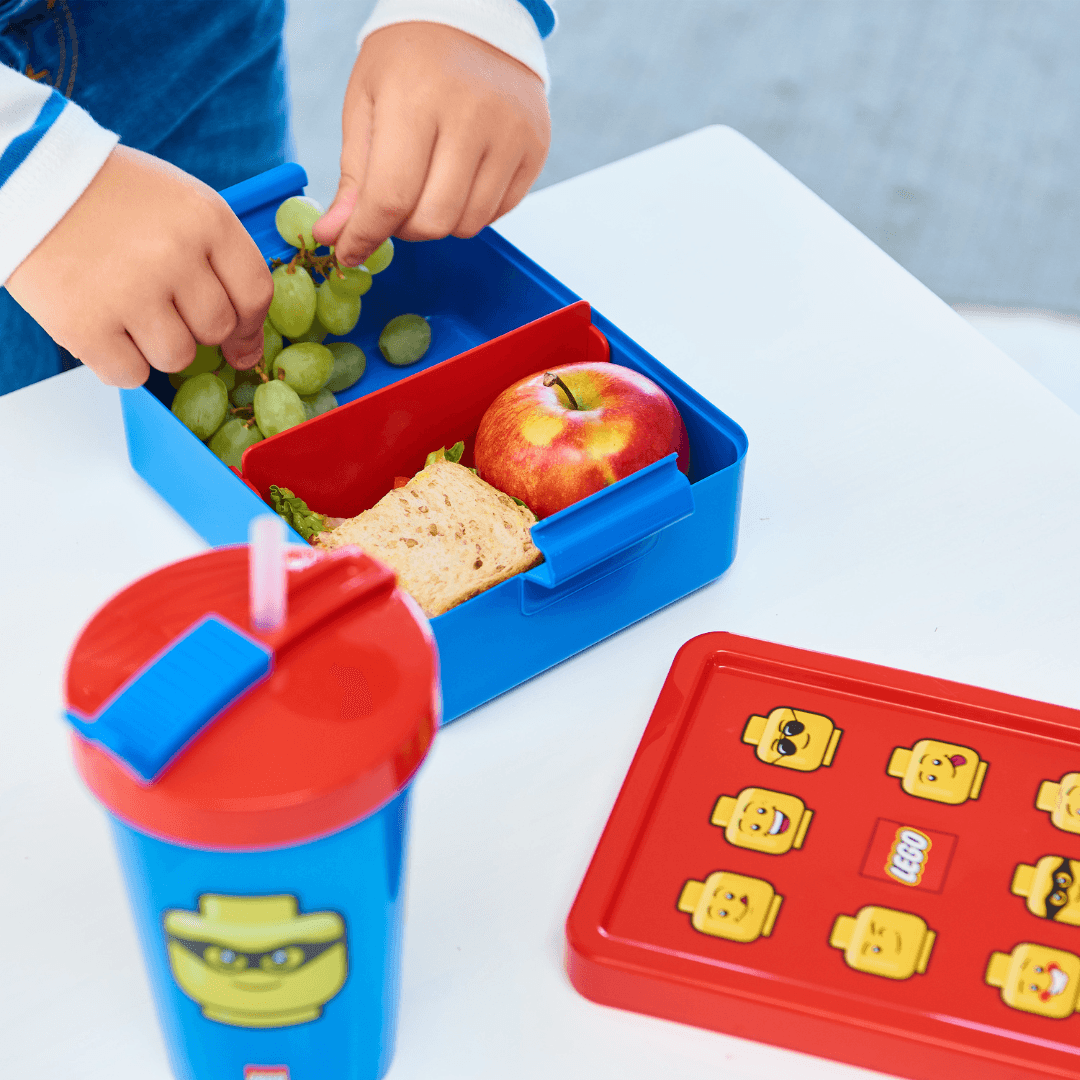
<point>266,1072</point>
<point>907,856</point>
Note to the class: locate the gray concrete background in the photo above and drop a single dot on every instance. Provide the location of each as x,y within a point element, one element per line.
<point>946,130</point>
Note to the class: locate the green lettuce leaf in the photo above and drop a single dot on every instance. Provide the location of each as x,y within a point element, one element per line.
<point>296,512</point>
<point>442,454</point>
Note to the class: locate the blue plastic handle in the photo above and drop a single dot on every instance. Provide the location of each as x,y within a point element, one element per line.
<point>161,708</point>
<point>615,518</point>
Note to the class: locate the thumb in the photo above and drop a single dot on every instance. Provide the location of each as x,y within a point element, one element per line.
<point>328,228</point>
<point>356,120</point>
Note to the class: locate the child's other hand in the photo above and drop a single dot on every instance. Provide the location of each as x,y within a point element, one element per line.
<point>441,133</point>
<point>146,263</point>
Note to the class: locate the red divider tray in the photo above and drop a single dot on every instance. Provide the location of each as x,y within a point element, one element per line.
<point>848,860</point>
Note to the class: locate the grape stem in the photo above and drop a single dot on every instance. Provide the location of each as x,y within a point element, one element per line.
<point>324,265</point>
<point>551,379</point>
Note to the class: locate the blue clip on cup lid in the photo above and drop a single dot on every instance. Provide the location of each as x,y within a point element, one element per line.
<point>161,708</point>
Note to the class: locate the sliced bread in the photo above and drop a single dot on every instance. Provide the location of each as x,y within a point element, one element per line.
<point>447,533</point>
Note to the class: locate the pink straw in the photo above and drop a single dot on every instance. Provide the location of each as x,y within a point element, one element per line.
<point>266,572</point>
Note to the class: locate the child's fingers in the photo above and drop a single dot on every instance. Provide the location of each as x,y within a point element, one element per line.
<point>455,164</point>
<point>206,307</point>
<point>489,189</point>
<point>162,337</point>
<point>243,353</point>
<point>243,274</point>
<point>116,361</point>
<point>402,141</point>
<point>523,179</point>
<point>355,148</point>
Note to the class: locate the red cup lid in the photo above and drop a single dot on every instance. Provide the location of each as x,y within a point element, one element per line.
<point>337,730</point>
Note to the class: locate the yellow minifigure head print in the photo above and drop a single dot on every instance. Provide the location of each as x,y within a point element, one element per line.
<point>1062,799</point>
<point>793,739</point>
<point>253,961</point>
<point>881,941</point>
<point>1051,887</point>
<point>940,771</point>
<point>762,820</point>
<point>1036,979</point>
<point>731,906</point>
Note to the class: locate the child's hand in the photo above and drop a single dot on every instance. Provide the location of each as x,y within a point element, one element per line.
<point>442,133</point>
<point>147,262</point>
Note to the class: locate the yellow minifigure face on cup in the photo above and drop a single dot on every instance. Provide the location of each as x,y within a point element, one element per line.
<point>793,739</point>
<point>1062,799</point>
<point>1052,888</point>
<point>1037,979</point>
<point>885,942</point>
<point>940,771</point>
<point>731,906</point>
<point>762,820</point>
<point>253,961</point>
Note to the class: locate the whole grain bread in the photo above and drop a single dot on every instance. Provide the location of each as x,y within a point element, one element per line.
<point>447,533</point>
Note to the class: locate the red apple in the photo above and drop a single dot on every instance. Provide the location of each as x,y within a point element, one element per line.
<point>565,433</point>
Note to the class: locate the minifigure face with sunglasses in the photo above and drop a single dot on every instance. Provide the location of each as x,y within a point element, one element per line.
<point>793,739</point>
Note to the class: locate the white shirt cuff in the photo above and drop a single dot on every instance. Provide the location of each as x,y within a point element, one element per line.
<point>502,23</point>
<point>49,182</point>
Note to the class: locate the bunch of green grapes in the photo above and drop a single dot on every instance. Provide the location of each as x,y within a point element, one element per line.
<point>304,311</point>
<point>231,410</point>
<point>298,375</point>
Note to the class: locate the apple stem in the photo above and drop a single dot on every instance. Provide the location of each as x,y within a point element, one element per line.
<point>551,379</point>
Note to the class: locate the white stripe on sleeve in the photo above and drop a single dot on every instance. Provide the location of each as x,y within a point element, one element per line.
<point>502,23</point>
<point>55,172</point>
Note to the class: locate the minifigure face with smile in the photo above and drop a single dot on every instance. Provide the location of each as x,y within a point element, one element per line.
<point>731,906</point>
<point>1037,979</point>
<point>772,822</point>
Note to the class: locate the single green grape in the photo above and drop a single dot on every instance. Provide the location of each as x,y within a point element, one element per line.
<point>293,306</point>
<point>295,218</point>
<point>316,333</point>
<point>201,403</point>
<point>233,437</point>
<point>349,364</point>
<point>321,402</point>
<point>272,343</point>
<point>304,367</point>
<point>381,257</point>
<point>207,358</point>
<point>277,407</point>
<point>339,314</point>
<point>227,374</point>
<point>353,280</point>
<point>244,394</point>
<point>405,339</point>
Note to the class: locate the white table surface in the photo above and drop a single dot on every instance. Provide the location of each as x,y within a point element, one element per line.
<point>912,498</point>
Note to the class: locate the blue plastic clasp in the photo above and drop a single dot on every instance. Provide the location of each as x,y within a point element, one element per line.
<point>612,520</point>
<point>161,708</point>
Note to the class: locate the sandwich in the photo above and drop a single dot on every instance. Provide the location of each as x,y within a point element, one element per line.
<point>447,534</point>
